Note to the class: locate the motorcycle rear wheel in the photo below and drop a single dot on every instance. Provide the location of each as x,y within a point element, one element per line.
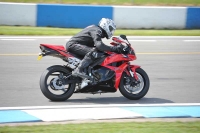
<point>51,84</point>
<point>138,91</point>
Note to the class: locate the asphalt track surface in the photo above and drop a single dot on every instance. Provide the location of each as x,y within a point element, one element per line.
<point>172,63</point>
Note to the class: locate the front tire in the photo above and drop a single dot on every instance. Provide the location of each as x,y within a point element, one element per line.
<point>137,91</point>
<point>51,84</point>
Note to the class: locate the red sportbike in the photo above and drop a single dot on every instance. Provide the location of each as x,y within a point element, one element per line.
<point>106,74</point>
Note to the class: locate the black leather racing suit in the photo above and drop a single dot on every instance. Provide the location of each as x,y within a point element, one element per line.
<point>87,44</point>
<point>88,39</point>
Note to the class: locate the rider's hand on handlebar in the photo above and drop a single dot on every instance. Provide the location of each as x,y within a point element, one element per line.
<point>121,49</point>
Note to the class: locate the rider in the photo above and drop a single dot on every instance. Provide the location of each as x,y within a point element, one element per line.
<point>88,43</point>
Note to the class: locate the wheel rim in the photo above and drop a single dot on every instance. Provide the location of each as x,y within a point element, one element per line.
<point>55,83</point>
<point>136,89</point>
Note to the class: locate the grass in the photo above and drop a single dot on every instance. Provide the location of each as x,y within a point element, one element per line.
<point>116,127</point>
<point>117,2</point>
<point>26,30</point>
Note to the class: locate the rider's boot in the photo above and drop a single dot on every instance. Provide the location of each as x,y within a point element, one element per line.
<point>78,72</point>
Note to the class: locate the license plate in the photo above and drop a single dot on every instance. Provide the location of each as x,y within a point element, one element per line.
<point>39,57</point>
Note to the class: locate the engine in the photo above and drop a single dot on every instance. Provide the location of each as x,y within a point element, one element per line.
<point>72,62</point>
<point>103,74</point>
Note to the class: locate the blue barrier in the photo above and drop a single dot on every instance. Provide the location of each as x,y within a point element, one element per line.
<point>193,18</point>
<point>71,16</point>
<point>80,16</point>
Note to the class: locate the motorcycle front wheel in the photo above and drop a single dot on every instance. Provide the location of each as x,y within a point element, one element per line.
<point>52,83</point>
<point>134,91</point>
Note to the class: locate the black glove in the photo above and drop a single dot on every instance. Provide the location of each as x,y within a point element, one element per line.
<point>120,49</point>
<point>117,49</point>
<point>126,50</point>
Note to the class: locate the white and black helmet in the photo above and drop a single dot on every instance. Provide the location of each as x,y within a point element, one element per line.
<point>108,25</point>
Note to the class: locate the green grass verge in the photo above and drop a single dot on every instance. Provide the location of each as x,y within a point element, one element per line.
<point>117,2</point>
<point>26,30</point>
<point>123,127</point>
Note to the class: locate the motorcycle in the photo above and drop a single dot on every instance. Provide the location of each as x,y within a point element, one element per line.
<point>108,73</point>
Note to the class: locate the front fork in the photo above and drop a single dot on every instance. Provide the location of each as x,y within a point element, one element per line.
<point>133,74</point>
<point>132,70</point>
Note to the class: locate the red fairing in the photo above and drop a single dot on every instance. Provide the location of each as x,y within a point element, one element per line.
<point>118,73</point>
<point>118,70</point>
<point>117,40</point>
<point>116,58</point>
<point>55,47</point>
<point>113,43</point>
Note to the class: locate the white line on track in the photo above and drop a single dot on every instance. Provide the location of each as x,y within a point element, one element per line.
<point>26,39</point>
<point>168,53</point>
<point>191,40</point>
<point>68,37</point>
<point>19,54</point>
<point>18,39</point>
<point>100,106</point>
<point>131,38</point>
<point>179,37</point>
<point>127,36</point>
<point>35,37</point>
<point>142,40</point>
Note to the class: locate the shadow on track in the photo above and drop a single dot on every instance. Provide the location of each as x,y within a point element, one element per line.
<point>117,100</point>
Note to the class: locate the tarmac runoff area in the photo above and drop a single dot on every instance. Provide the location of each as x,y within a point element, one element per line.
<point>13,116</point>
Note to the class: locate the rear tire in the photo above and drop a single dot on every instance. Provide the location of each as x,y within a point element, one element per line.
<point>142,87</point>
<point>48,81</point>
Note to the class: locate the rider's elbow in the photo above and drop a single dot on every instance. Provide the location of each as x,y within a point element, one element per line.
<point>99,46</point>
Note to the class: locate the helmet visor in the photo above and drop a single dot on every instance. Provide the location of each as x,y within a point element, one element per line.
<point>112,30</point>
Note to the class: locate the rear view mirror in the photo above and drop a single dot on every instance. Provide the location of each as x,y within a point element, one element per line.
<point>123,37</point>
